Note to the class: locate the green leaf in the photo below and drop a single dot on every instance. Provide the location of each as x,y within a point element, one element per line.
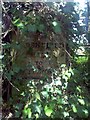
<point>54,23</point>
<point>48,111</point>
<point>37,96</point>
<point>86,112</point>
<point>56,27</point>
<point>32,28</point>
<point>8,75</point>
<point>74,108</point>
<point>25,112</point>
<point>20,25</point>
<point>65,114</point>
<point>41,27</point>
<point>81,101</point>
<point>16,21</point>
<point>16,69</point>
<point>68,74</point>
<point>37,109</point>
<point>1,56</point>
<point>82,112</point>
<point>17,113</point>
<point>45,94</point>
<point>29,113</point>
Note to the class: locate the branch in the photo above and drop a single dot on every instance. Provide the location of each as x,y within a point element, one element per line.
<point>13,85</point>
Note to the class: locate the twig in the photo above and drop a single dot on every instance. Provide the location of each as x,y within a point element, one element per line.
<point>13,85</point>
<point>5,33</point>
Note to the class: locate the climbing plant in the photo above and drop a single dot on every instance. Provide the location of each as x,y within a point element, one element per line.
<point>31,88</point>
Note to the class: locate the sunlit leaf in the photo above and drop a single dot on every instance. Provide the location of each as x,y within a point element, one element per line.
<point>74,108</point>
<point>29,113</point>
<point>79,89</point>
<point>20,25</point>
<point>25,111</point>
<point>37,115</point>
<point>1,56</point>
<point>68,74</point>
<point>66,114</point>
<point>81,101</point>
<point>54,23</point>
<point>48,111</point>
<point>37,96</point>
<point>86,112</point>
<point>82,112</point>
<point>63,65</point>
<point>45,94</point>
<point>38,109</point>
<point>56,27</point>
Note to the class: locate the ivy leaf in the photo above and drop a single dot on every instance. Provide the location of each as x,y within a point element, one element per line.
<point>54,23</point>
<point>65,114</point>
<point>74,108</point>
<point>37,96</point>
<point>32,28</point>
<point>45,94</point>
<point>17,113</point>
<point>8,75</point>
<point>68,74</point>
<point>25,112</point>
<point>82,112</point>
<point>16,69</point>
<point>18,23</point>
<point>41,27</point>
<point>1,56</point>
<point>29,113</point>
<point>37,109</point>
<point>48,111</point>
<point>56,27</point>
<point>86,112</point>
<point>81,101</point>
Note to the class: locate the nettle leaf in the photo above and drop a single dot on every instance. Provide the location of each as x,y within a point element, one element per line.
<point>48,111</point>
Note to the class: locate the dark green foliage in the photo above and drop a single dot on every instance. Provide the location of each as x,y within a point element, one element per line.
<point>62,91</point>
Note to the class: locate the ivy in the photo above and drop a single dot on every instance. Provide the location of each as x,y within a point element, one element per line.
<point>42,90</point>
